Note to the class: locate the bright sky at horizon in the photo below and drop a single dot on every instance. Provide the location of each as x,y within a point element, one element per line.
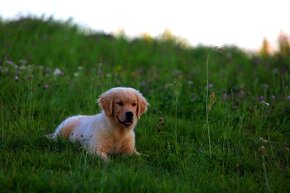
<point>244,23</point>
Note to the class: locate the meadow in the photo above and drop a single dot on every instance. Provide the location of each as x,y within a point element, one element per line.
<point>218,119</point>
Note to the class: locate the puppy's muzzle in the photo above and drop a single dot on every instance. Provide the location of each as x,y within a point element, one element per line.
<point>129,116</point>
<point>128,119</point>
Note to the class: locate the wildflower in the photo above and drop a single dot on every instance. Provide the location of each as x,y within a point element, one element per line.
<point>262,150</point>
<point>160,124</point>
<point>261,98</point>
<point>58,72</point>
<point>16,78</point>
<point>11,63</point>
<point>265,103</point>
<point>273,97</point>
<point>212,101</point>
<point>161,121</point>
<point>261,139</point>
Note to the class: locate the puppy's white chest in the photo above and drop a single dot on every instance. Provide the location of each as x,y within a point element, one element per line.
<point>123,144</point>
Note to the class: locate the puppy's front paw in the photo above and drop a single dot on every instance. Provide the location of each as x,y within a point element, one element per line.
<point>103,156</point>
<point>137,153</point>
<point>140,154</point>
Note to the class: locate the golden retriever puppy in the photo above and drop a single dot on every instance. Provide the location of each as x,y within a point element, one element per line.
<point>111,131</point>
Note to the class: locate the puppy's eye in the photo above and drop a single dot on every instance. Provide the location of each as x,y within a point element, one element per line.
<point>134,104</point>
<point>120,103</point>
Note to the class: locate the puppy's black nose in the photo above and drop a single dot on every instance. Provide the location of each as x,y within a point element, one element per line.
<point>129,115</point>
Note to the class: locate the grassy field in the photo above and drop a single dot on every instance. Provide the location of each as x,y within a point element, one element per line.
<point>221,129</point>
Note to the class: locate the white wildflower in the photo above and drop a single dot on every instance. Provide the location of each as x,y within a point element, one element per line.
<point>58,72</point>
<point>11,63</point>
<point>265,103</point>
<point>261,139</point>
<point>262,150</point>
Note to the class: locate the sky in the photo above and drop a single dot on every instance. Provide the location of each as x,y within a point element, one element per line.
<point>244,23</point>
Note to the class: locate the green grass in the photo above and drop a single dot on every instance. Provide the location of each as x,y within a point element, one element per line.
<point>218,137</point>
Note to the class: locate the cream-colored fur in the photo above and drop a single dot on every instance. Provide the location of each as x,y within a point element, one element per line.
<point>111,131</point>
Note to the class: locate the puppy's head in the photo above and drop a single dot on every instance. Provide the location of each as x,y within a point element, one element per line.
<point>123,106</point>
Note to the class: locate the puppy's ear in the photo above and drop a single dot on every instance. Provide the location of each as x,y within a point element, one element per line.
<point>106,103</point>
<point>142,105</point>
